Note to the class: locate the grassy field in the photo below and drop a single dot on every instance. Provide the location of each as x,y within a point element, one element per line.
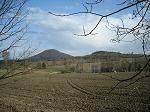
<point>42,91</point>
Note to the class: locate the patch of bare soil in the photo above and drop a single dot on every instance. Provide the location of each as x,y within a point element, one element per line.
<point>7,108</point>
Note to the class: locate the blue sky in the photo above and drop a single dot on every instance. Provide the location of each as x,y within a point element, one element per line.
<point>50,32</point>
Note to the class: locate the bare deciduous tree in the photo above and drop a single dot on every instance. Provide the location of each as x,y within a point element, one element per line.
<point>12,32</point>
<point>5,56</point>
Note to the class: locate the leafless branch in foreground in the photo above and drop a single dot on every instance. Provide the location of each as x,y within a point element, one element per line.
<point>140,31</point>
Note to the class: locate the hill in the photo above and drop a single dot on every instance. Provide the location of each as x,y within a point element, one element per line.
<point>50,54</point>
<point>101,54</point>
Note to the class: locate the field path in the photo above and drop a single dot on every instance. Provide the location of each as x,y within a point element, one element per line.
<point>75,86</point>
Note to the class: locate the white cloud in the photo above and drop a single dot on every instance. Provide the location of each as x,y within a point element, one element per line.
<point>57,32</point>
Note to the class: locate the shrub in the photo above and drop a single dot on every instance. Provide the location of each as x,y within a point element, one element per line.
<point>43,65</point>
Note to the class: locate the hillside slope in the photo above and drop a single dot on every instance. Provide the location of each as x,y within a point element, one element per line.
<point>50,54</point>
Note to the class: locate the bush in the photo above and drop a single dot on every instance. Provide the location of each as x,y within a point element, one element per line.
<point>43,65</point>
<point>38,66</point>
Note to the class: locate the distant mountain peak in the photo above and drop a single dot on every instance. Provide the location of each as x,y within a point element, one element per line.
<point>50,55</point>
<point>51,50</point>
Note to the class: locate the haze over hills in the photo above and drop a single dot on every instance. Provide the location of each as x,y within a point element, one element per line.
<point>50,54</point>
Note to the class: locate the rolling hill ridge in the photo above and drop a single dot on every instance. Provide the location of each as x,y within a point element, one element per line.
<point>52,55</point>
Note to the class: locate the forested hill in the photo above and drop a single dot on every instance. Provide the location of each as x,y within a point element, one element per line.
<point>111,56</point>
<point>50,55</point>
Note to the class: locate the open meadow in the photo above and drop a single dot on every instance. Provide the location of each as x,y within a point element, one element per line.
<point>42,91</point>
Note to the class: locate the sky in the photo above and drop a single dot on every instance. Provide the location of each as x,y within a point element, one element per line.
<point>47,31</point>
